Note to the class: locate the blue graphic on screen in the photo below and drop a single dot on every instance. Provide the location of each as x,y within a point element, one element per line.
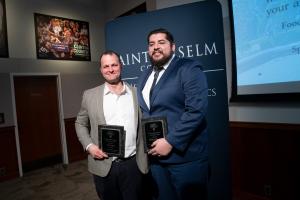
<point>267,37</point>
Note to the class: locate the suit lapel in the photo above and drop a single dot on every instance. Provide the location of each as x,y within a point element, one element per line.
<point>99,97</point>
<point>135,104</point>
<point>144,79</point>
<point>163,78</point>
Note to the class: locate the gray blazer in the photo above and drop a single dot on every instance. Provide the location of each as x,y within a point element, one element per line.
<point>90,116</point>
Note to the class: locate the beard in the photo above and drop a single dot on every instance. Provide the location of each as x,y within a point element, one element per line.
<point>113,81</point>
<point>161,62</point>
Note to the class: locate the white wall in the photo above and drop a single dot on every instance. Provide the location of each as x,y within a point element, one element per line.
<point>115,8</point>
<point>20,23</point>
<point>76,76</point>
<point>170,3</point>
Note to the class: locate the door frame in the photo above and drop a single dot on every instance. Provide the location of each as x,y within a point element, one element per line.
<point>60,110</point>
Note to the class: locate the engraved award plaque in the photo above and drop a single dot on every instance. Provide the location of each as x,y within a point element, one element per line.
<point>112,140</point>
<point>153,129</point>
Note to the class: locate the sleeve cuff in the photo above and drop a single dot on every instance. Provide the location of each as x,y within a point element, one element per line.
<point>87,147</point>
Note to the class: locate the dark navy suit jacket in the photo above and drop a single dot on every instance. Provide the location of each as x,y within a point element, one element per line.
<point>181,96</point>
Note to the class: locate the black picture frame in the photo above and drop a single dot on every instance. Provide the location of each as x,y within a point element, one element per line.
<point>153,128</point>
<point>3,31</point>
<point>59,38</point>
<point>112,140</point>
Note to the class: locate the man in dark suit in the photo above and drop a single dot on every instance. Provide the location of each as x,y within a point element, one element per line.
<point>176,89</point>
<point>113,103</point>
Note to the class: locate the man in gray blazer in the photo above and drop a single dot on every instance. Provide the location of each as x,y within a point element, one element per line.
<point>113,103</point>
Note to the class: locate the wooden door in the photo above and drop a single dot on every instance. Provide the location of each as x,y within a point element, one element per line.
<point>38,121</point>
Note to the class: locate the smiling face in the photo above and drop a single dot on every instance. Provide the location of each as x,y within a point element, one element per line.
<point>111,68</point>
<point>160,49</point>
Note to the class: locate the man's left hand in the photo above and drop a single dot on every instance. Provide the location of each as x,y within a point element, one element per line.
<point>160,147</point>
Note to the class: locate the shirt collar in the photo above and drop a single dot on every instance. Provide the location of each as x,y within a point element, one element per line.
<point>107,90</point>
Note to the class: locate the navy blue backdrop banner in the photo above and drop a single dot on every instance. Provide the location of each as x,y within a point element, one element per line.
<point>198,33</point>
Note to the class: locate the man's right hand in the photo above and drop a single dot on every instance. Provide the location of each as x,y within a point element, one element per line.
<point>96,152</point>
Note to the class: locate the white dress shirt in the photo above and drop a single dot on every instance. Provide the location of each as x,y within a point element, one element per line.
<point>119,110</point>
<point>147,87</point>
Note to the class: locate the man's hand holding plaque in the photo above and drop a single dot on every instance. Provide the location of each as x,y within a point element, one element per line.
<point>153,129</point>
<point>112,140</point>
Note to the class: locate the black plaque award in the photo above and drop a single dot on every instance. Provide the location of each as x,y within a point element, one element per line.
<point>153,129</point>
<point>112,140</point>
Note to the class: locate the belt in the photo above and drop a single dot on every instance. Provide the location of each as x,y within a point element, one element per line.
<point>117,160</point>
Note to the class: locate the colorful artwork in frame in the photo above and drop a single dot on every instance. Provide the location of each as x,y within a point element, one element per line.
<point>60,38</point>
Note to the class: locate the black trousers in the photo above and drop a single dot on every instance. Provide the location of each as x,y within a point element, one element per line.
<point>123,182</point>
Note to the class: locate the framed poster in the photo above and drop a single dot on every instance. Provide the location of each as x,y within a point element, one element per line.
<point>60,38</point>
<point>3,31</point>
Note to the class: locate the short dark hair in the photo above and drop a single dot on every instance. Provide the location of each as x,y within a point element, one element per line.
<point>110,52</point>
<point>169,36</point>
